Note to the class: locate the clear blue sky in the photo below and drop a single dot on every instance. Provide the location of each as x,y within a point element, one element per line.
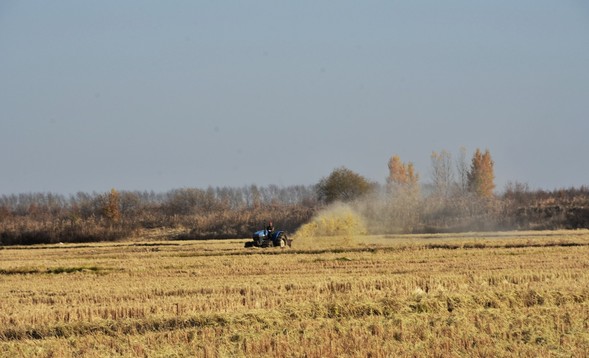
<point>157,95</point>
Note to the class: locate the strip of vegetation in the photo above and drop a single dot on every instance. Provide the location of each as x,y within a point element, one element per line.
<point>375,249</point>
<point>55,270</point>
<point>113,328</point>
<point>70,234</point>
<point>73,246</point>
<point>516,245</point>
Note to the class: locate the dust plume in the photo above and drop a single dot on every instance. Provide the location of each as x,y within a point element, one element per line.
<point>336,221</point>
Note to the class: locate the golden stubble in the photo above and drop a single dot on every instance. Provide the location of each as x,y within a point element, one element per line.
<point>477,294</point>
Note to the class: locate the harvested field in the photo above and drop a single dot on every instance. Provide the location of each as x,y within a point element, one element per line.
<point>477,294</point>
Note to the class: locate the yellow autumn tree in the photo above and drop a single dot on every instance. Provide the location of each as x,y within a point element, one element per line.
<point>402,174</point>
<point>404,196</point>
<point>481,177</point>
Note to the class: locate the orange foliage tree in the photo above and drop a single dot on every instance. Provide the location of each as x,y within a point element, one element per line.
<point>404,200</point>
<point>481,177</point>
<point>401,174</point>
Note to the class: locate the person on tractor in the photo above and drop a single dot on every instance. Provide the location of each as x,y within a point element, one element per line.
<point>268,229</point>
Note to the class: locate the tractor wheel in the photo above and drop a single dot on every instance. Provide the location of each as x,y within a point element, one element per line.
<point>283,241</point>
<point>249,244</point>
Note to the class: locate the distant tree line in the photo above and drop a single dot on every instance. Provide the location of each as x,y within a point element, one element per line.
<point>459,196</point>
<point>205,213</point>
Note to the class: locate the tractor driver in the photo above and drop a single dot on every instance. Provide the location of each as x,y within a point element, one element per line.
<point>270,228</point>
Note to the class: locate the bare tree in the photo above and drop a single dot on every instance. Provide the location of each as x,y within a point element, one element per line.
<point>442,174</point>
<point>462,169</point>
<point>112,206</point>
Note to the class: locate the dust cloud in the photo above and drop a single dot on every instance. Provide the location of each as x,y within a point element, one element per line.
<point>337,220</point>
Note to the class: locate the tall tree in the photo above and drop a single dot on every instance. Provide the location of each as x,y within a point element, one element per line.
<point>462,170</point>
<point>481,177</point>
<point>343,185</point>
<point>442,174</point>
<point>402,208</point>
<point>397,171</point>
<point>402,174</point>
<point>112,206</point>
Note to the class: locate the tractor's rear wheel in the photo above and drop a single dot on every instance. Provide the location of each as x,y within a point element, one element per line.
<point>283,241</point>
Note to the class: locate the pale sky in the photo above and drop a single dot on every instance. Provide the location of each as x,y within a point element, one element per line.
<point>158,95</point>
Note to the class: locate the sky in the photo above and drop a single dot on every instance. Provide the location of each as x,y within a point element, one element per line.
<point>160,95</point>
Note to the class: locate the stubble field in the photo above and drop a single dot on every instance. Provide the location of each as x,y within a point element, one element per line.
<point>486,295</point>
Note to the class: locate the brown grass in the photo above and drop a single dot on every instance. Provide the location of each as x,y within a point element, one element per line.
<point>487,295</point>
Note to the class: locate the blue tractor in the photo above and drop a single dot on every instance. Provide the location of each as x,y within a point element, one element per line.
<point>265,238</point>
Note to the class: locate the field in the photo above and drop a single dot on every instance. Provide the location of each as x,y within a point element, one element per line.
<point>484,295</point>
